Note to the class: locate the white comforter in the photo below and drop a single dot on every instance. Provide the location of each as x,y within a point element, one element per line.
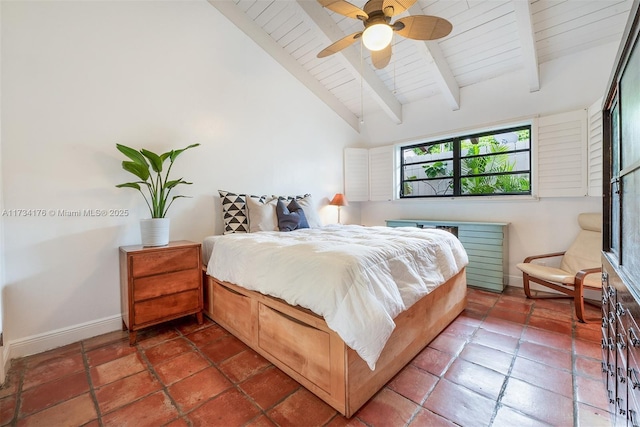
<point>358,278</point>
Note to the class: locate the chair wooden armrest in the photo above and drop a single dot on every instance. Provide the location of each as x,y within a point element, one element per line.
<point>580,275</point>
<point>576,266</point>
<point>550,255</point>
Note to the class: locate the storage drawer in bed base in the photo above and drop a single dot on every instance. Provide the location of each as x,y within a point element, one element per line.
<point>299,342</point>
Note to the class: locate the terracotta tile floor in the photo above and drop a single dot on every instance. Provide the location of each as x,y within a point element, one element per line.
<point>506,361</point>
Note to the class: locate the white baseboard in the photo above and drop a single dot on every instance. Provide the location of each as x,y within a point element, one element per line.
<point>59,337</point>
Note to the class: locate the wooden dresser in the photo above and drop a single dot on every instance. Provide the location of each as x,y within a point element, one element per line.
<point>159,284</point>
<point>621,228</point>
<point>486,244</point>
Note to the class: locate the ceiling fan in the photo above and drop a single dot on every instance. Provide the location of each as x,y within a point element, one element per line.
<point>378,30</point>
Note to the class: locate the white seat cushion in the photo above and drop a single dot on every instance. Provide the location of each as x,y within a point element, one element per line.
<point>543,272</point>
<point>557,275</point>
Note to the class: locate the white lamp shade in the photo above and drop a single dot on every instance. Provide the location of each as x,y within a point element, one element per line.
<point>377,36</point>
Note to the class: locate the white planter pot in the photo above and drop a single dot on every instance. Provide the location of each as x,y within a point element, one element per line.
<point>154,231</point>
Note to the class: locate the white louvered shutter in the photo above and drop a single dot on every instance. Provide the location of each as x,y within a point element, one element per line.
<point>594,149</point>
<point>356,174</point>
<point>562,154</point>
<point>381,173</point>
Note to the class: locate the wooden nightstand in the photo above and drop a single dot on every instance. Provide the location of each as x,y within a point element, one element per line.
<point>158,284</point>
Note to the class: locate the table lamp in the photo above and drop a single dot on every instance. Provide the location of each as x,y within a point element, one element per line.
<point>339,200</point>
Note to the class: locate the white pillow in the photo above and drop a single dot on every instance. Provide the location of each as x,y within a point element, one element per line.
<point>262,215</point>
<point>309,208</point>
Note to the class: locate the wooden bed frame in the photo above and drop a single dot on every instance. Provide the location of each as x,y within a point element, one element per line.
<point>299,342</point>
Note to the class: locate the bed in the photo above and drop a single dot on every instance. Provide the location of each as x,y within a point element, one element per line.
<point>340,309</point>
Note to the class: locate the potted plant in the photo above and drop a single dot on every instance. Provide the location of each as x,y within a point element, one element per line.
<point>148,167</point>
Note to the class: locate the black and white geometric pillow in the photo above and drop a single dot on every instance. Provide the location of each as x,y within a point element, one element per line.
<point>234,211</point>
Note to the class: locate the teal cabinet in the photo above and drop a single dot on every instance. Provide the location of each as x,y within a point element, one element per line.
<point>486,244</point>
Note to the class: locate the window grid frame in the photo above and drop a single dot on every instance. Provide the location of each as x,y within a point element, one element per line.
<point>457,158</point>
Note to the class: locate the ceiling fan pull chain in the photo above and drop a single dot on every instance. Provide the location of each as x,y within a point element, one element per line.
<point>361,83</point>
<point>395,90</point>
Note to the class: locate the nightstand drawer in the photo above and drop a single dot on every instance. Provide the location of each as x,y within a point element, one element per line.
<point>166,307</point>
<point>165,284</point>
<point>157,262</point>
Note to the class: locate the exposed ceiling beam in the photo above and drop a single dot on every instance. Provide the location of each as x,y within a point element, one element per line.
<point>443,75</point>
<point>440,67</point>
<point>259,36</point>
<point>527,42</point>
<point>351,60</point>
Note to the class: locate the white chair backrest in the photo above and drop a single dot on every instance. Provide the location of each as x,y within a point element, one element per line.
<point>585,251</point>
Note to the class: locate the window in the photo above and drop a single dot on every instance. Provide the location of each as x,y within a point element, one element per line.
<point>489,163</point>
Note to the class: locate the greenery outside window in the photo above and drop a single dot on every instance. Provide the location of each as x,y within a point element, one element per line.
<point>488,163</point>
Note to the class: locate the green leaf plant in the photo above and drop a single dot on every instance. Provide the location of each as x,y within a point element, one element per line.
<point>148,167</point>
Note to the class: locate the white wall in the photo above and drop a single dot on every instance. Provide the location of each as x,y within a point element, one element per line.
<point>77,78</point>
<point>545,225</point>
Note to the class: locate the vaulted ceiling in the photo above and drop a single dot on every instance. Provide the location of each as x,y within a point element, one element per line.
<point>489,38</point>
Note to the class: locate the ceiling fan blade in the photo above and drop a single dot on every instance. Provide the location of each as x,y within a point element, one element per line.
<point>381,58</point>
<point>398,6</point>
<point>422,27</point>
<point>373,6</point>
<point>344,8</point>
<point>339,45</point>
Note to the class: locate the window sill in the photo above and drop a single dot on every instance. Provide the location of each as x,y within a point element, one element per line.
<point>522,198</point>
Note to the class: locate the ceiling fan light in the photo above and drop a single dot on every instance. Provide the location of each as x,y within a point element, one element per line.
<point>377,36</point>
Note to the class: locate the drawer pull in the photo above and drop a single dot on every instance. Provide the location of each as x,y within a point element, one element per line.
<point>633,338</point>
<point>611,344</point>
<point>620,404</point>
<point>620,309</point>
<point>290,318</point>
<point>621,376</point>
<point>633,376</point>
<point>231,290</point>
<point>621,342</point>
<point>612,292</point>
<point>605,321</point>
<point>610,394</point>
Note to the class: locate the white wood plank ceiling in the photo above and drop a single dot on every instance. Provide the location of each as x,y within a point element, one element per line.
<point>489,38</point>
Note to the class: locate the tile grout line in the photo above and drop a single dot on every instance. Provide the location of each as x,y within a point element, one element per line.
<point>499,405</point>
<point>149,368</point>
<point>18,404</point>
<point>153,372</point>
<point>440,378</point>
<point>233,384</point>
<point>92,391</point>
<point>165,388</point>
